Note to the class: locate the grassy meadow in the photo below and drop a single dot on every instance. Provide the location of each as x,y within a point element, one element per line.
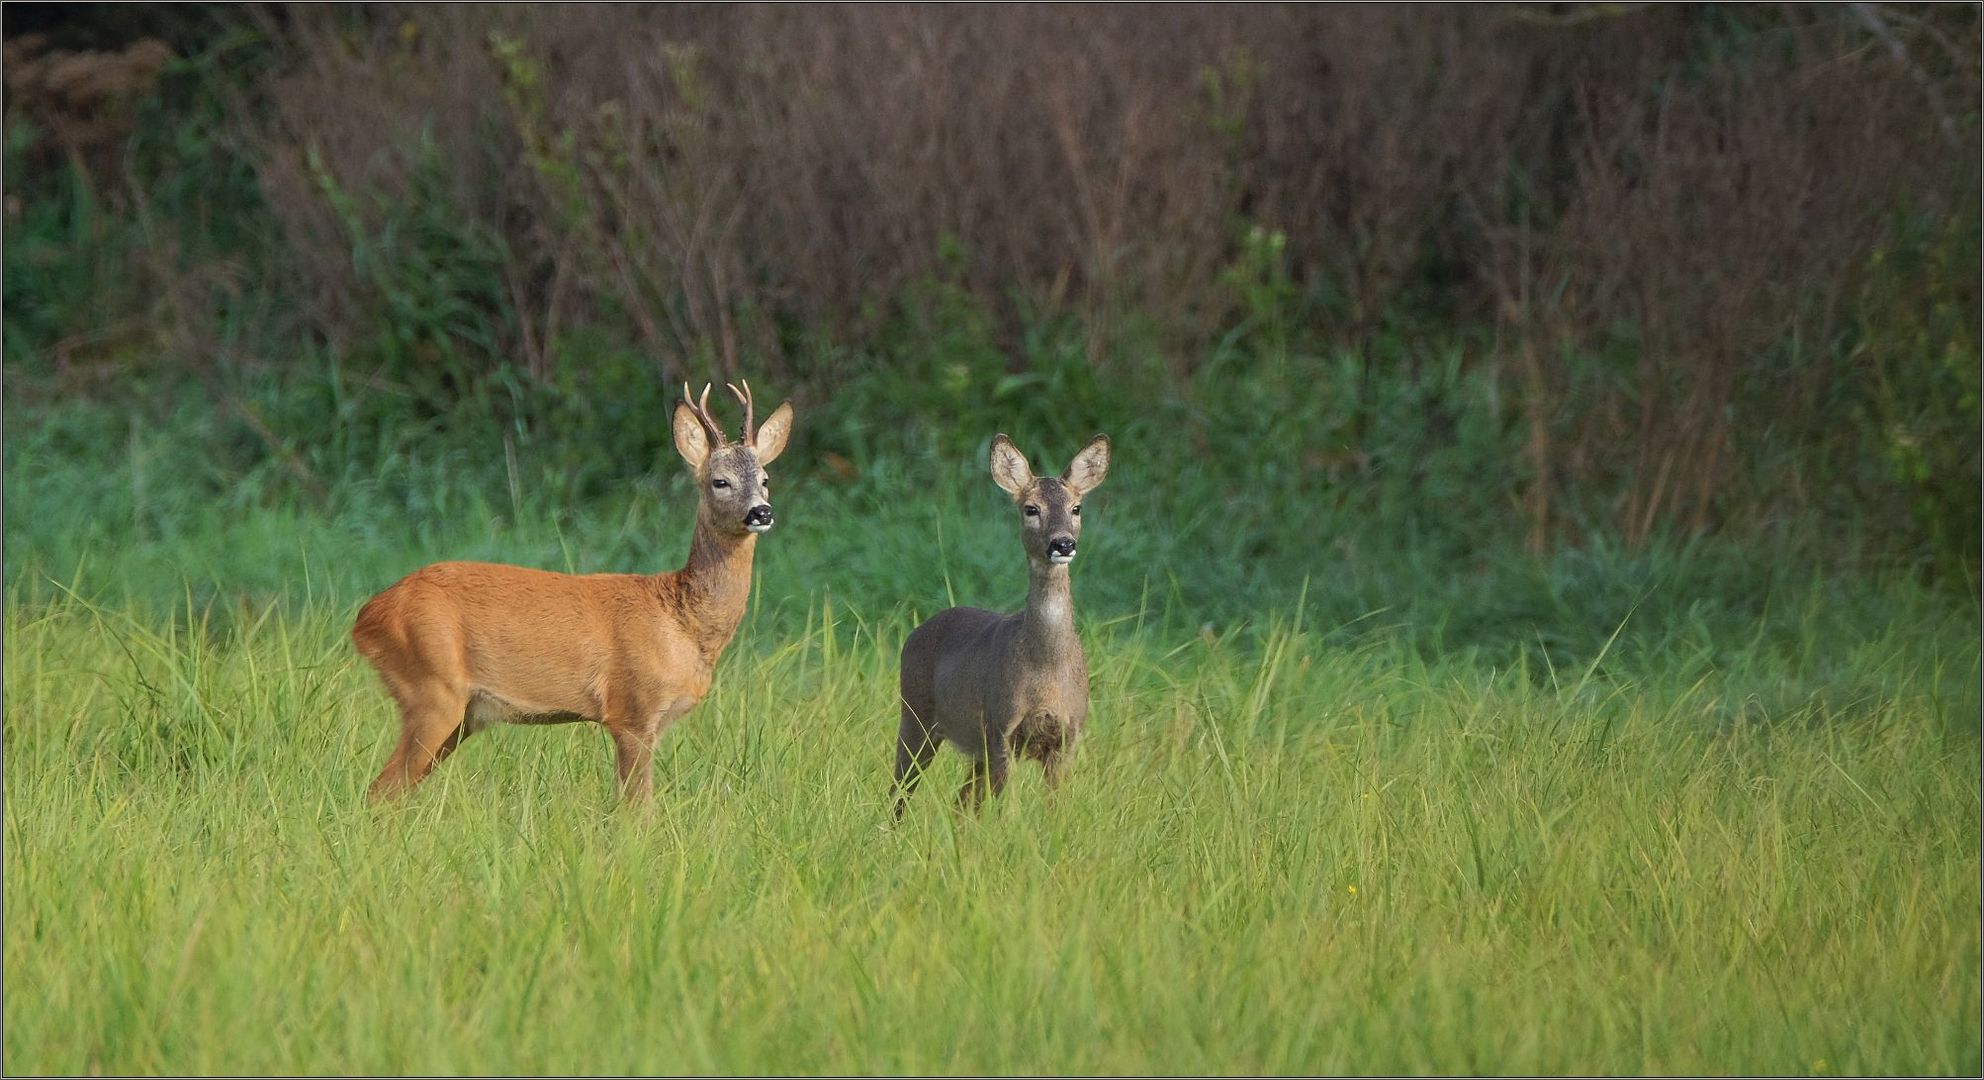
<point>1660,817</point>
<point>1533,609</point>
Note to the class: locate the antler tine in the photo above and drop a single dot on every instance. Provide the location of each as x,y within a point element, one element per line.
<point>702,412</point>
<point>709,418</point>
<point>750,418</point>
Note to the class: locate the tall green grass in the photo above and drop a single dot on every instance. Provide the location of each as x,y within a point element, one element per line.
<point>1283,850</point>
<point>1367,788</point>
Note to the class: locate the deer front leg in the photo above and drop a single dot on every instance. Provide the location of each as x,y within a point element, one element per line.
<point>634,739</point>
<point>916,744</point>
<point>1054,758</point>
<point>633,753</point>
<point>1054,768</point>
<point>988,776</point>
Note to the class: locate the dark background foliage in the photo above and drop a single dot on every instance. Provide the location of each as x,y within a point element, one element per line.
<point>1464,280</point>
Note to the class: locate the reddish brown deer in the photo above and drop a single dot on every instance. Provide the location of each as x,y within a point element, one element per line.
<point>465,645</point>
<point>994,685</point>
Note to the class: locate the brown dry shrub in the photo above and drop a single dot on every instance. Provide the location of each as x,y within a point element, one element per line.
<point>85,99</point>
<point>717,171</point>
<point>1687,189</point>
<point>1719,216</point>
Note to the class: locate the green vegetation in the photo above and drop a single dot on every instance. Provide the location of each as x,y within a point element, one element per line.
<point>1278,854</point>
<point>1689,809</point>
<point>1533,611</point>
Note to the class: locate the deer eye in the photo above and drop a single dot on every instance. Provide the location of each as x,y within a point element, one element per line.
<point>1032,510</point>
<point>1077,510</point>
<point>719,483</point>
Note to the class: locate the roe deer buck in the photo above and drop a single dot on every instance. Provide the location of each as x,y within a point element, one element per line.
<point>465,645</point>
<point>994,684</point>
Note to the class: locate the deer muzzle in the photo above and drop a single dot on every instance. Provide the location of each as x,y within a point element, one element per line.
<point>759,518</point>
<point>1061,550</point>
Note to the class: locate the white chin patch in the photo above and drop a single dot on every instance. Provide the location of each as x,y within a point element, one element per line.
<point>758,528</point>
<point>1060,560</point>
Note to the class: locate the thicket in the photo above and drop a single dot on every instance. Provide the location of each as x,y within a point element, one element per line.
<point>1549,274</point>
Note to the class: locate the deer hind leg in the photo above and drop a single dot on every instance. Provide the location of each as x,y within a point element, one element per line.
<point>432,725</point>
<point>422,665</point>
<point>916,745</point>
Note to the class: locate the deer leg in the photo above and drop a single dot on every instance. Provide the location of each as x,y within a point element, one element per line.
<point>431,726</point>
<point>1054,767</point>
<point>633,750</point>
<point>635,733</point>
<point>915,746</point>
<point>1054,758</point>
<point>988,776</point>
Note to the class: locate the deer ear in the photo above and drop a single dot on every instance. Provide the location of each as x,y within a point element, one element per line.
<point>691,441</point>
<point>1009,468</point>
<point>773,433</point>
<point>1085,473</point>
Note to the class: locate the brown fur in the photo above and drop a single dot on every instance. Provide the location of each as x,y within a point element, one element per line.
<point>996,684</point>
<point>464,645</point>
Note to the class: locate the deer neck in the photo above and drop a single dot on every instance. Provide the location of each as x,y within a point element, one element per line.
<point>1047,627</point>
<point>712,589</point>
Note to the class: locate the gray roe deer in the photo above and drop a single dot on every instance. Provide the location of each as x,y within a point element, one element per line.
<point>465,645</point>
<point>994,685</point>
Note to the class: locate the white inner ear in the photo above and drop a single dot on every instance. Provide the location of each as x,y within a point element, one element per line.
<point>772,434</point>
<point>691,441</point>
<point>1009,468</point>
<point>1088,468</point>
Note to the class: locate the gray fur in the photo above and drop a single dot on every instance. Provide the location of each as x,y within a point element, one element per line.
<point>994,685</point>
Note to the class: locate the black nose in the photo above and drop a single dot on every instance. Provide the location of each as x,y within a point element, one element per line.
<point>1061,545</point>
<point>760,514</point>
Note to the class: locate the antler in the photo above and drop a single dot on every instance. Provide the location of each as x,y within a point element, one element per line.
<point>702,412</point>
<point>750,420</point>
